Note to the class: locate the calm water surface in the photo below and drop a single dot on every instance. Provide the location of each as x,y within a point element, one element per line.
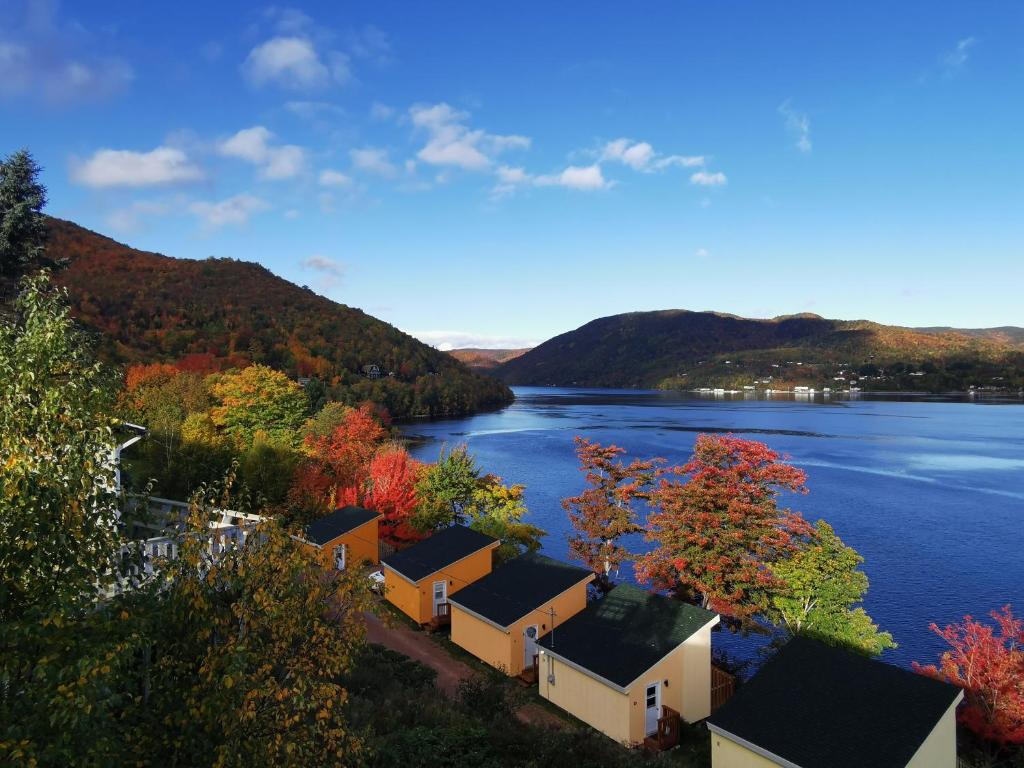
<point>930,493</point>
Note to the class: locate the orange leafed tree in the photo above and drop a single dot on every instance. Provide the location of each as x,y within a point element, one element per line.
<point>988,663</point>
<point>718,526</point>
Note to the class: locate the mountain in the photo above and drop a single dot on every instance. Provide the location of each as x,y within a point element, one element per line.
<point>682,349</point>
<point>485,359</point>
<point>213,314</point>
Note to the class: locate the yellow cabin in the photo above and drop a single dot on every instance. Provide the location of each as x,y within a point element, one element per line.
<point>500,618</point>
<point>347,536</point>
<point>419,580</point>
<point>629,663</point>
<point>814,706</point>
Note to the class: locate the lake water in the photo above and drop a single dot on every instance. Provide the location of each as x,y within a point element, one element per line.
<point>931,493</point>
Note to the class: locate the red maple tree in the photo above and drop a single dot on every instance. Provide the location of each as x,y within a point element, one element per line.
<point>989,666</point>
<point>604,512</point>
<point>345,454</point>
<point>389,488</point>
<point>718,526</point>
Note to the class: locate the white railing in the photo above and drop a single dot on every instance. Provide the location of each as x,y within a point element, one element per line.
<point>229,530</point>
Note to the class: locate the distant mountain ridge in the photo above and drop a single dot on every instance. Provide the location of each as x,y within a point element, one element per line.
<point>680,348</point>
<point>479,359</point>
<point>212,314</point>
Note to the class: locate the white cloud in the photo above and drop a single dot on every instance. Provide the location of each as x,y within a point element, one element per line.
<point>798,125</point>
<point>253,145</point>
<point>313,110</point>
<point>58,63</point>
<point>293,62</point>
<point>292,213</point>
<point>707,179</point>
<point>640,156</point>
<point>448,340</point>
<point>955,59</point>
<point>325,264</point>
<point>234,210</point>
<point>380,111</point>
<point>370,43</point>
<point>451,143</point>
<point>127,168</point>
<point>587,178</point>
<point>702,253</point>
<point>331,178</point>
<point>372,160</point>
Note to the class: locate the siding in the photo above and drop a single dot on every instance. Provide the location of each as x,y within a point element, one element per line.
<point>483,640</point>
<point>361,542</point>
<point>504,649</point>
<point>939,749</point>
<point>591,701</point>
<point>416,600</point>
<point>726,753</point>
<point>623,716</point>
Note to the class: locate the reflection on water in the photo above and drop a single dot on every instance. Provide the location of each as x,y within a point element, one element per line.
<point>930,490</point>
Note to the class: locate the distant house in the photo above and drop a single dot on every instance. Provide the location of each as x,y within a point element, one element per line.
<point>630,661</point>
<point>418,580</point>
<point>500,618</point>
<point>815,706</point>
<point>372,371</point>
<point>345,537</point>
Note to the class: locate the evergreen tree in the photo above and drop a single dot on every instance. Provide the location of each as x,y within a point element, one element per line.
<point>22,225</point>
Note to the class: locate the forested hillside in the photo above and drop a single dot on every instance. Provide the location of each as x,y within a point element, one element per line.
<point>681,349</point>
<point>213,314</point>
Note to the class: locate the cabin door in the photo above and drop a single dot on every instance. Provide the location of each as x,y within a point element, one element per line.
<point>652,703</point>
<point>440,595</point>
<point>529,646</point>
<point>340,557</point>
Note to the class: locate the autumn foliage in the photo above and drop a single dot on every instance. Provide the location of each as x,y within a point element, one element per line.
<point>389,488</point>
<point>988,663</point>
<point>604,512</point>
<point>717,525</point>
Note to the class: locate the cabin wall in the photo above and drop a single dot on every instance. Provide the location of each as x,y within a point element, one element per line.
<point>416,600</point>
<point>566,605</point>
<point>939,749</point>
<point>483,640</point>
<point>726,753</point>
<point>669,669</point>
<point>585,698</point>
<point>696,685</point>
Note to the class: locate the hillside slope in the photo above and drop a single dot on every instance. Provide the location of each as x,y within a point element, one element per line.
<point>218,313</point>
<point>682,349</point>
<point>485,359</point>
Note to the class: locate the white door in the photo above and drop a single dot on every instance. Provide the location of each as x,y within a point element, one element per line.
<point>340,556</point>
<point>652,702</point>
<point>440,594</point>
<point>529,646</point>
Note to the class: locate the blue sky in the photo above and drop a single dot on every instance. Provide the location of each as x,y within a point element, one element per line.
<point>497,174</point>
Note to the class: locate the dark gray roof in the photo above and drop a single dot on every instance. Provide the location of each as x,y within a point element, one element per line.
<point>339,522</point>
<point>443,548</point>
<point>518,587</point>
<point>625,633</point>
<point>822,707</point>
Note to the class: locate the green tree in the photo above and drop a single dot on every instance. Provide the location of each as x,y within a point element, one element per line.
<point>58,501</point>
<point>251,650</point>
<point>498,510</point>
<point>22,224</point>
<point>257,399</point>
<point>822,586</point>
<point>59,541</point>
<point>445,489</point>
